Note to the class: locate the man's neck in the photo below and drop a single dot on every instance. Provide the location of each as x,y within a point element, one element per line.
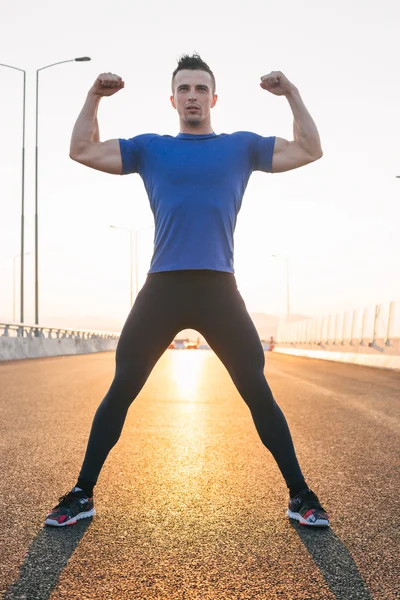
<point>196,132</point>
<point>204,129</point>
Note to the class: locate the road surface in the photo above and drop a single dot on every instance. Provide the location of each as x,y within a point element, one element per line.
<point>190,505</point>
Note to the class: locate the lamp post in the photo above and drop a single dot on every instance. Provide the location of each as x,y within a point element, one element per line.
<point>287,283</point>
<point>14,278</point>
<point>22,190</point>
<point>80,59</point>
<point>131,232</point>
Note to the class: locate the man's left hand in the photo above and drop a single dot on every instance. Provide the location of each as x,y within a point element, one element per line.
<point>276,83</point>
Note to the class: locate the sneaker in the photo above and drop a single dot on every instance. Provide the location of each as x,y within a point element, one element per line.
<point>71,507</point>
<point>306,508</point>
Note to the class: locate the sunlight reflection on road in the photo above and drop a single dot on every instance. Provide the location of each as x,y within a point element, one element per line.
<point>187,371</point>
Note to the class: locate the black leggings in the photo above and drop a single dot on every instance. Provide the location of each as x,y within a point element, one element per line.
<point>209,302</point>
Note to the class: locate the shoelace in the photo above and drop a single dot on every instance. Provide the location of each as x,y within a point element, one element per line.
<point>312,500</point>
<point>64,499</point>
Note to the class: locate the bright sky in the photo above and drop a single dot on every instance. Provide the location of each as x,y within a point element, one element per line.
<point>337,220</point>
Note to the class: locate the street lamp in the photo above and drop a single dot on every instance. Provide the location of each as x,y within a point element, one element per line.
<point>287,283</point>
<point>80,59</point>
<point>131,232</point>
<point>14,278</point>
<point>23,190</point>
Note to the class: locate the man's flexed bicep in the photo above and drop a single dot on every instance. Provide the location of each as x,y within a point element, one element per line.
<point>289,155</point>
<point>86,147</point>
<point>102,156</point>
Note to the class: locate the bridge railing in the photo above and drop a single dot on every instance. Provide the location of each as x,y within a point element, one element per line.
<point>366,326</point>
<point>36,331</point>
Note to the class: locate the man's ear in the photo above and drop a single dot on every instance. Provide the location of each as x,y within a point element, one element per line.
<point>172,101</point>
<point>214,102</point>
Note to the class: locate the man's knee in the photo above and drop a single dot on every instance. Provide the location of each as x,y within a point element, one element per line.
<point>251,382</point>
<point>129,381</point>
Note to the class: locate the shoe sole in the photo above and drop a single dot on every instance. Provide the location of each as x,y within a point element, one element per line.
<point>298,517</point>
<point>82,515</point>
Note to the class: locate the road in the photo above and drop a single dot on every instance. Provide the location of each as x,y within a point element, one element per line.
<point>190,505</point>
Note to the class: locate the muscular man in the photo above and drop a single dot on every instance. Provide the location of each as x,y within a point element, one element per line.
<point>195,182</point>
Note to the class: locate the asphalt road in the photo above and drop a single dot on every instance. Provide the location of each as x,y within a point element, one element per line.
<point>190,505</point>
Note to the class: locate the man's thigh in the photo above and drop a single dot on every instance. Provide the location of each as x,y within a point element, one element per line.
<point>231,333</point>
<point>152,323</point>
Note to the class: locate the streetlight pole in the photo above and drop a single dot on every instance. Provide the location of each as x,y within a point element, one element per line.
<point>14,278</point>
<point>22,190</point>
<point>80,59</point>
<point>131,232</point>
<point>287,283</point>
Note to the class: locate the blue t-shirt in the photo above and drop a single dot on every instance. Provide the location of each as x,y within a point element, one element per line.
<point>195,184</point>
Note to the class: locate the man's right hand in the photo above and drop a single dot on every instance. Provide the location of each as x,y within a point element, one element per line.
<point>107,84</point>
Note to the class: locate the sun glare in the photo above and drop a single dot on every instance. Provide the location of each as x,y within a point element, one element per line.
<point>187,367</point>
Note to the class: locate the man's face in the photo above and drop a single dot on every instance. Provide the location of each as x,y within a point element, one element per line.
<point>192,95</point>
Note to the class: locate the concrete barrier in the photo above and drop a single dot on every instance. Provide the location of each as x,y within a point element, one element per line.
<point>19,342</point>
<point>386,361</point>
<point>20,348</point>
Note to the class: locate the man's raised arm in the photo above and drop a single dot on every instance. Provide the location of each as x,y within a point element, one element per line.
<point>86,147</point>
<point>306,145</point>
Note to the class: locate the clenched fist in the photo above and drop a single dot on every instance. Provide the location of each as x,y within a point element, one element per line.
<point>276,83</point>
<point>107,84</point>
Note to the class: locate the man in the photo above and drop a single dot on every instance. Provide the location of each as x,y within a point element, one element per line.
<point>195,182</point>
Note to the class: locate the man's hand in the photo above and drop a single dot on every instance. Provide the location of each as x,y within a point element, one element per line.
<point>276,83</point>
<point>107,84</point>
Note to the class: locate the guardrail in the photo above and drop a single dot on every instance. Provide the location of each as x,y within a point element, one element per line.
<point>36,331</point>
<point>368,327</point>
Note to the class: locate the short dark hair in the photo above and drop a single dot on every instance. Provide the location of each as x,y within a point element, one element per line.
<point>194,63</point>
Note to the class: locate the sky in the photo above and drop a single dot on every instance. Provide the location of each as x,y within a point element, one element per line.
<point>335,222</point>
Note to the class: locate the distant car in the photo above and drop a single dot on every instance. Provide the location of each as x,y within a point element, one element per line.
<point>179,345</point>
<point>203,347</point>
